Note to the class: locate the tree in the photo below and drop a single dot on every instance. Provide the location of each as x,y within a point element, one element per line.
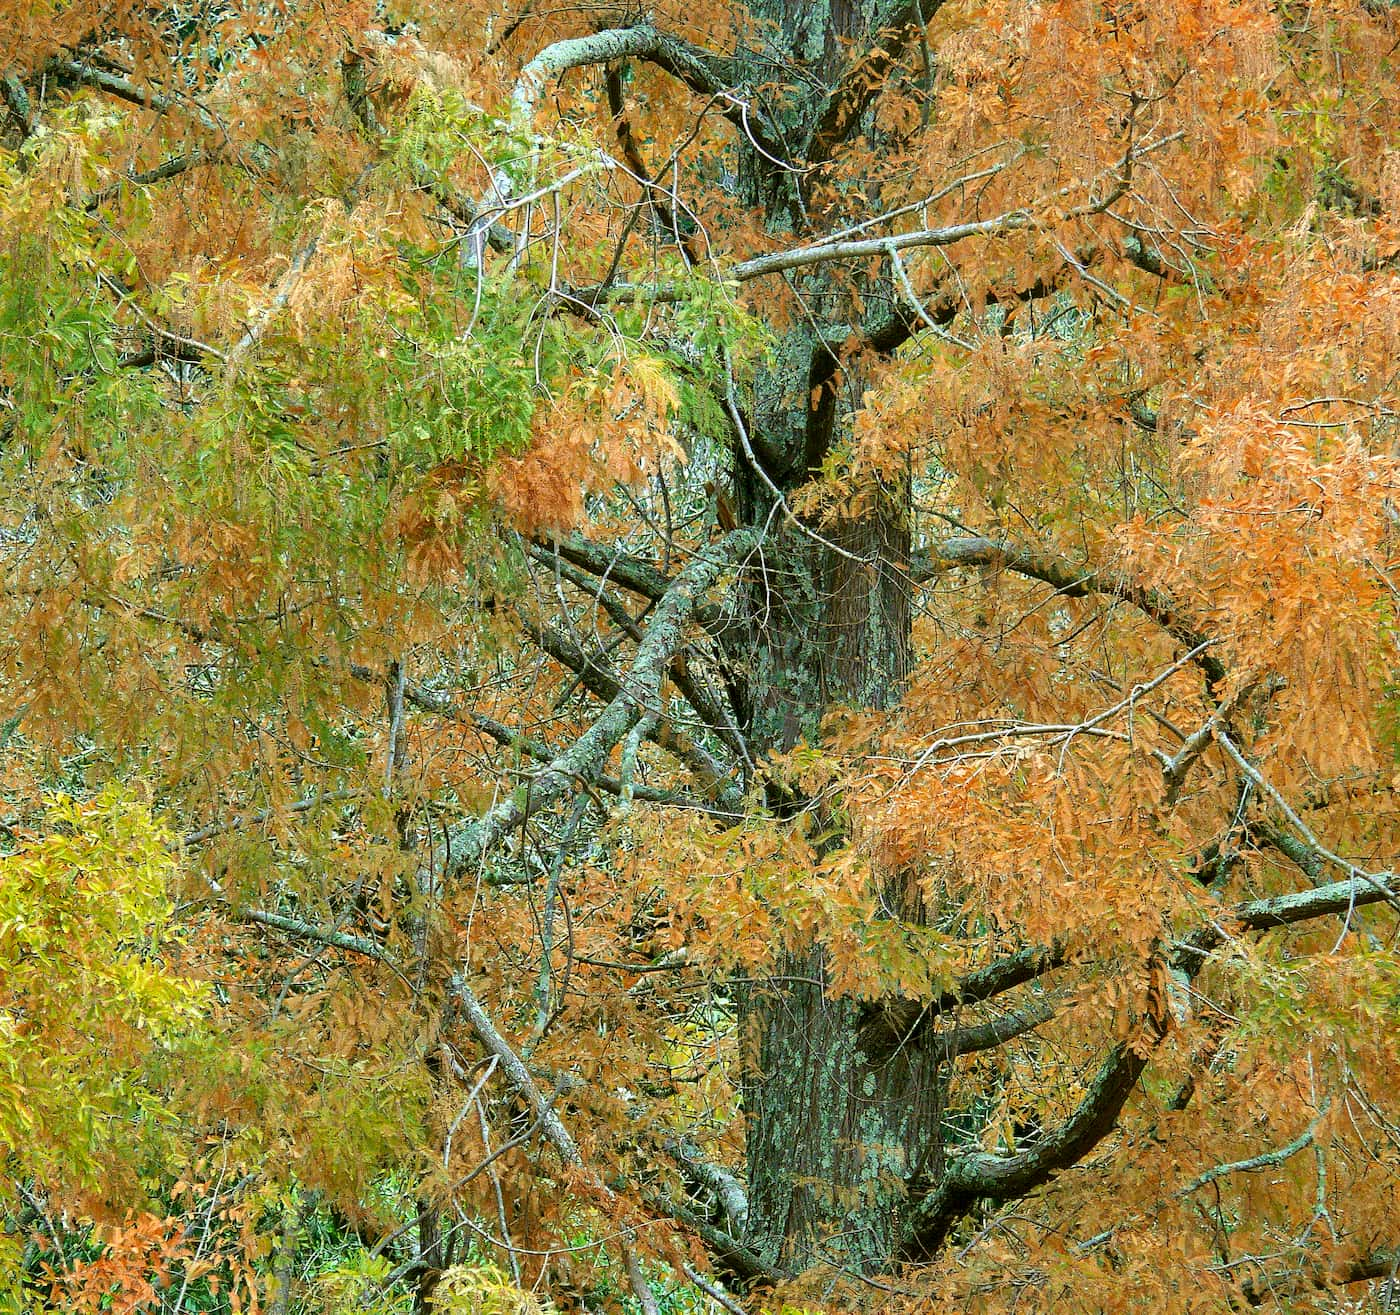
<point>772,628</point>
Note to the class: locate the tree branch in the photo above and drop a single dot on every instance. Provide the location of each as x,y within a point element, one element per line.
<point>729,1253</point>
<point>546,1117</point>
<point>729,1191</point>
<point>603,683</point>
<point>1004,975</point>
<point>1284,910</point>
<point>171,168</point>
<point>701,71</point>
<point>1381,1263</point>
<point>823,253</point>
<point>16,97</point>
<point>79,73</point>
<point>1071,582</point>
<point>310,931</point>
<point>442,705</point>
<point>865,79</point>
<point>472,838</point>
<point>892,1026</point>
<point>703,698</point>
<point>981,1175</point>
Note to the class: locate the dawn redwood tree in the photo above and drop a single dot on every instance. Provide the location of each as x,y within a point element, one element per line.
<point>772,627</point>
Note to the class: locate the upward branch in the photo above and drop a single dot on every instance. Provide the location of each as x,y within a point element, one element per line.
<point>867,77</point>
<point>703,72</point>
<point>470,840</point>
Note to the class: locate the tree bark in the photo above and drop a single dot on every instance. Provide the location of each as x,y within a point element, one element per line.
<point>837,1121</point>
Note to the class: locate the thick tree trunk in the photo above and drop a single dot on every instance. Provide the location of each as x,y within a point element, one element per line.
<point>837,1119</point>
<point>835,1131</point>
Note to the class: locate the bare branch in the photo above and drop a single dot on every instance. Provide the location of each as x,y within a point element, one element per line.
<point>1380,883</point>
<point>1009,221</point>
<point>546,1117</point>
<point>207,833</point>
<point>631,572</point>
<point>998,1031</point>
<point>310,931</point>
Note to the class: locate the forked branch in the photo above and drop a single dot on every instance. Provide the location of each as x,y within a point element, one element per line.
<point>980,1175</point>
<point>469,840</point>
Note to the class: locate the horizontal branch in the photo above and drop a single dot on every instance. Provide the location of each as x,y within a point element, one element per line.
<point>310,931</point>
<point>1003,975</point>
<point>1338,897</point>
<point>169,168</point>
<point>824,253</point>
<point>237,823</point>
<point>728,1252</point>
<point>1071,582</point>
<point>891,1026</point>
<point>729,1191</point>
<point>700,70</point>
<point>1380,1263</point>
<point>972,1037</point>
<point>77,72</point>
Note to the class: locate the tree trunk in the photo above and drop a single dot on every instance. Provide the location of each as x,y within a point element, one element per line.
<point>837,1118</point>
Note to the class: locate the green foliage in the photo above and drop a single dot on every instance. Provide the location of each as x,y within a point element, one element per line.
<point>14,1298</point>
<point>439,125</point>
<point>86,993</point>
<point>359,1283</point>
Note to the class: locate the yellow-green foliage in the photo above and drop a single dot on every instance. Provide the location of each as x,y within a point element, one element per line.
<point>85,995</point>
<point>14,1300</point>
<point>483,1290</point>
<point>359,1287</point>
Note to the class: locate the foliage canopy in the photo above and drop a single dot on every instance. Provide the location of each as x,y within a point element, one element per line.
<point>735,657</point>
